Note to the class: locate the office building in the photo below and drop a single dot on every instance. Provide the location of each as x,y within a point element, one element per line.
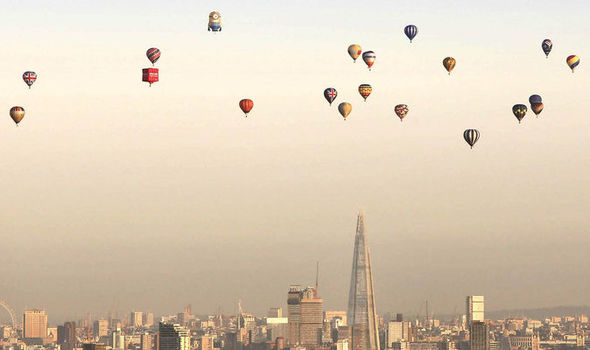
<point>34,324</point>
<point>206,342</point>
<point>66,336</point>
<point>136,319</point>
<point>474,309</point>
<point>305,316</point>
<point>362,311</point>
<point>479,335</point>
<point>173,337</point>
<point>147,341</point>
<point>101,328</point>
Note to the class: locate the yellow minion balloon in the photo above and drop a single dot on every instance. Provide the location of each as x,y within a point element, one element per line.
<point>214,22</point>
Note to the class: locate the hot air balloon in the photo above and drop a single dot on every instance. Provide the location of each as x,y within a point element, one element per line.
<point>449,64</point>
<point>411,31</point>
<point>214,22</point>
<point>535,99</point>
<point>365,90</point>
<point>537,108</point>
<point>246,105</point>
<point>471,136</point>
<point>547,45</point>
<point>369,58</point>
<point>29,78</point>
<point>17,114</point>
<point>150,75</point>
<point>330,95</point>
<point>519,111</point>
<point>344,108</point>
<point>401,111</point>
<point>354,51</point>
<point>573,61</point>
<point>153,54</point>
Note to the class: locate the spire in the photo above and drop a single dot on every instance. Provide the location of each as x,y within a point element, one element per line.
<point>317,276</point>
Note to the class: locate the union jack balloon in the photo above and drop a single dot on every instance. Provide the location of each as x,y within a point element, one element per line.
<point>153,54</point>
<point>330,95</point>
<point>29,78</point>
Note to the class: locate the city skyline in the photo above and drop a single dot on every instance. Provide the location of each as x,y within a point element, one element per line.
<point>112,191</point>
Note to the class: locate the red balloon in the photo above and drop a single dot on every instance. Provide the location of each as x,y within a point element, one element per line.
<point>246,105</point>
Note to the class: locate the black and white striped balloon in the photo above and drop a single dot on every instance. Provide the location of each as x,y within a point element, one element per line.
<point>471,136</point>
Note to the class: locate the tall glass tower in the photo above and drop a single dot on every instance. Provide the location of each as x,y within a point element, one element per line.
<point>362,312</point>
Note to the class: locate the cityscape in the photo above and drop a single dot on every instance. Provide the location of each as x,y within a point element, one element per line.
<point>303,325</point>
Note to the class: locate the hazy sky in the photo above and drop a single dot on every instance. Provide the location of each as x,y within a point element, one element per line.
<point>117,196</point>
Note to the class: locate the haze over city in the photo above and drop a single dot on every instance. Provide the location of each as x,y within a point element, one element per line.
<point>116,196</point>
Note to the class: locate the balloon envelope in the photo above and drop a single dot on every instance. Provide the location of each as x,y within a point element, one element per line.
<point>535,99</point>
<point>411,31</point>
<point>369,58</point>
<point>29,77</point>
<point>153,54</point>
<point>573,61</point>
<point>214,22</point>
<point>449,64</point>
<point>365,90</point>
<point>330,95</point>
<point>471,136</point>
<point>546,45</point>
<point>519,111</point>
<point>401,111</point>
<point>344,108</point>
<point>537,108</point>
<point>17,114</point>
<point>246,105</point>
<point>354,51</point>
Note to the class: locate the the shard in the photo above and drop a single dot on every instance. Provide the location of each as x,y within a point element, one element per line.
<point>362,312</point>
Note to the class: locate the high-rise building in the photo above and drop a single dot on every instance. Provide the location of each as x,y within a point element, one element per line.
<point>173,337</point>
<point>480,335</point>
<point>66,336</point>
<point>312,319</point>
<point>305,316</point>
<point>474,309</point>
<point>206,342</point>
<point>148,319</point>
<point>147,341</point>
<point>293,314</point>
<point>35,324</point>
<point>101,328</point>
<point>362,311</point>
<point>136,319</point>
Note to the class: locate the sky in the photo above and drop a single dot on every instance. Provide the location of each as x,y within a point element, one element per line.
<point>115,196</point>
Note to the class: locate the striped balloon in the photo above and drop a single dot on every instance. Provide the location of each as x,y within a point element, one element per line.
<point>547,45</point>
<point>369,58</point>
<point>519,111</point>
<point>153,54</point>
<point>471,136</point>
<point>411,31</point>
<point>537,108</point>
<point>401,111</point>
<point>365,90</point>
<point>29,78</point>
<point>330,95</point>
<point>573,61</point>
<point>246,105</point>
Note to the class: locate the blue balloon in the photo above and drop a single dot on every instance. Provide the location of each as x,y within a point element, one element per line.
<point>535,99</point>
<point>411,31</point>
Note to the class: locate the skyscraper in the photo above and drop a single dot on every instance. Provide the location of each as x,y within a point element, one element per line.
<point>35,324</point>
<point>305,317</point>
<point>362,312</point>
<point>66,336</point>
<point>173,337</point>
<point>480,336</point>
<point>136,319</point>
<point>474,309</point>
